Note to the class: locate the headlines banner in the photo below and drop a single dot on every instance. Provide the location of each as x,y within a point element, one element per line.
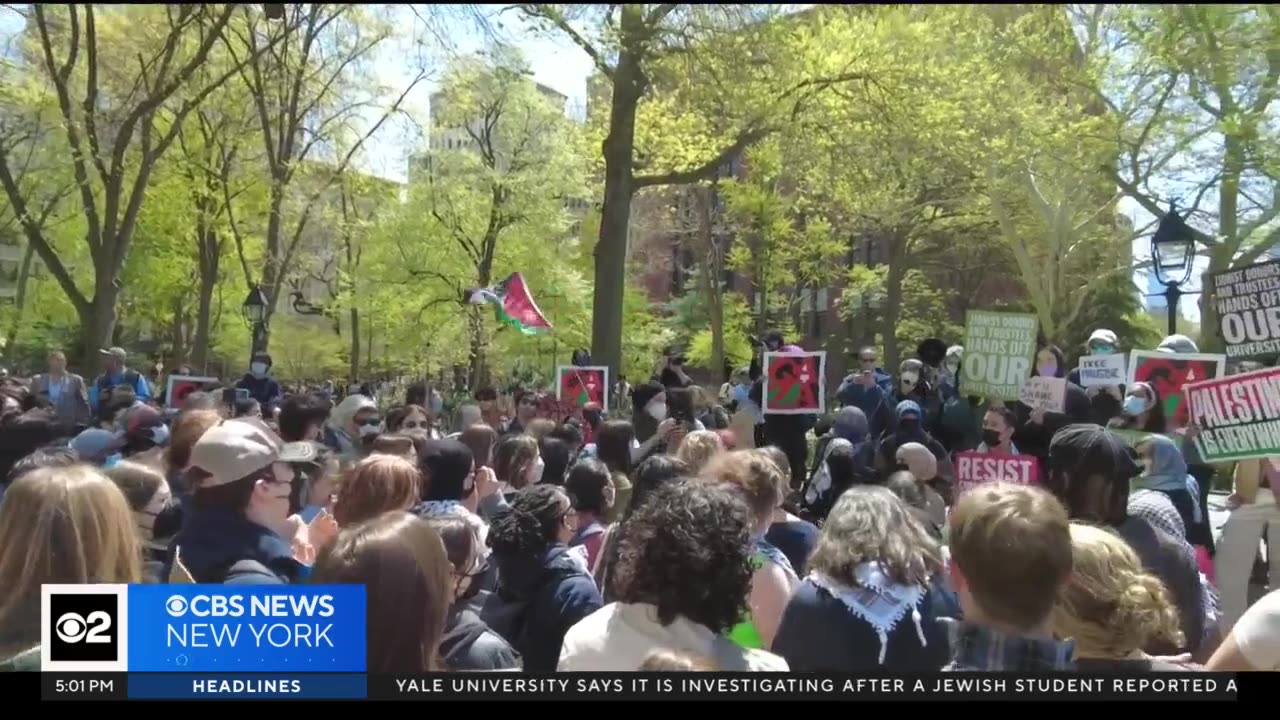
<point>1248,304</point>
<point>203,628</point>
<point>974,469</point>
<point>653,687</point>
<point>1238,416</point>
<point>999,349</point>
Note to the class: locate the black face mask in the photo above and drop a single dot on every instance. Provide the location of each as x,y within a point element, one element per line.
<point>991,438</point>
<point>908,428</point>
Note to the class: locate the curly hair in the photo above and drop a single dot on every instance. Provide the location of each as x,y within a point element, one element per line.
<point>699,448</point>
<point>687,551</point>
<point>754,473</point>
<point>530,525</point>
<point>1110,605</point>
<point>870,523</point>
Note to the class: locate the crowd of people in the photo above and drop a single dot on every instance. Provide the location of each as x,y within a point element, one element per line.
<point>688,528</point>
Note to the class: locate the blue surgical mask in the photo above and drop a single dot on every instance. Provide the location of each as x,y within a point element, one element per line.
<point>1102,350</point>
<point>1134,406</point>
<point>258,369</point>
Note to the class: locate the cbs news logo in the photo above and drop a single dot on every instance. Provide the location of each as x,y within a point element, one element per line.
<point>83,628</point>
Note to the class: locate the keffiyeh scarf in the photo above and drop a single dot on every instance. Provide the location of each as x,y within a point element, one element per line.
<point>876,600</point>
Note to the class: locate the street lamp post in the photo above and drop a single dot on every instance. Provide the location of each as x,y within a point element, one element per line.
<point>1173,252</point>
<point>254,310</point>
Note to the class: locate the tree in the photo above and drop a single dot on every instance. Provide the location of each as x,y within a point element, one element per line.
<point>772,66</point>
<point>309,97</point>
<point>113,132</point>
<point>1195,89</point>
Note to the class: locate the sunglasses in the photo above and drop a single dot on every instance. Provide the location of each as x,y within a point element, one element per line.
<point>369,422</point>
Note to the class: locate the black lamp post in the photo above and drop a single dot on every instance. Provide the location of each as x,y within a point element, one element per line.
<point>254,310</point>
<point>1173,252</point>
<point>273,11</point>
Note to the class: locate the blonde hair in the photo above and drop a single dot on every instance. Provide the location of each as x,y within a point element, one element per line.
<point>698,448</point>
<point>539,428</point>
<point>871,524</point>
<point>1110,606</point>
<point>376,485</point>
<point>753,473</point>
<point>81,531</point>
<point>665,660</point>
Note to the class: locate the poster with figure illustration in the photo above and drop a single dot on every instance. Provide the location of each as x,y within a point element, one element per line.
<point>1168,373</point>
<point>999,350</point>
<point>795,383</point>
<point>180,386</point>
<point>577,386</point>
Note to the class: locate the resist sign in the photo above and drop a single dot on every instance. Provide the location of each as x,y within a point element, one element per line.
<point>998,351</point>
<point>976,468</point>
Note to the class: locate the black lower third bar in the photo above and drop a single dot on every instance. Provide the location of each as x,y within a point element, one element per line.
<point>84,686</point>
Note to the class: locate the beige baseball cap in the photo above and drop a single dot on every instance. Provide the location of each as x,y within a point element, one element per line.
<point>233,450</point>
<point>115,352</point>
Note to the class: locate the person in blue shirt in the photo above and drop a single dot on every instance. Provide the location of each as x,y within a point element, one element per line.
<point>871,391</point>
<point>115,374</point>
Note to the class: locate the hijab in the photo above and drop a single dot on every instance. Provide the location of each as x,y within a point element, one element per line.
<point>1168,471</point>
<point>851,424</point>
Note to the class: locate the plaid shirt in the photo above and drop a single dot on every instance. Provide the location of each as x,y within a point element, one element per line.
<point>975,648</point>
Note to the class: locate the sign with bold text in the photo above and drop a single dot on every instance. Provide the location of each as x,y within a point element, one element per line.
<point>999,349</point>
<point>1045,393</point>
<point>974,469</point>
<point>1238,417</point>
<point>1102,370</point>
<point>1248,304</point>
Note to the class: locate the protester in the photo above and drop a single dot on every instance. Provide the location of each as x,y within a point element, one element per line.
<point>481,439</point>
<point>155,515</point>
<point>698,448</point>
<point>655,472</point>
<point>923,466</point>
<point>544,588</point>
<point>792,535</point>
<point>116,374</point>
<point>376,485</point>
<point>452,485</point>
<point>1089,469</point>
<point>352,426</point>
<point>1106,401</point>
<point>187,430</point>
<point>1165,471</point>
<point>237,530</point>
<point>998,425</point>
<point>869,390</point>
<point>145,436</point>
<point>867,603</point>
<point>1254,517</point>
<point>97,447</point>
<point>590,487</point>
<point>412,417</point>
<point>517,463</point>
<point>570,433</point>
<point>556,456</point>
<point>64,392</point>
<point>261,386</point>
<point>683,572</point>
<point>758,479</point>
<point>914,386</point>
<point>614,449</point>
<point>526,411</point>
<point>1010,557</point>
<point>912,492</point>
<point>538,428</point>
<point>468,643</point>
<point>706,412</point>
<point>649,420</point>
<point>909,429</point>
<point>1110,608</point>
<point>401,562</point>
<point>81,514</point>
<point>1254,641</point>
<point>1037,426</point>
<point>1141,410</point>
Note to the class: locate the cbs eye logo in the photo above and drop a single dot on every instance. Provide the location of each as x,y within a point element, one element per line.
<point>84,628</point>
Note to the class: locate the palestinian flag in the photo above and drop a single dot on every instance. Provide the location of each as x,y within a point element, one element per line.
<point>513,304</point>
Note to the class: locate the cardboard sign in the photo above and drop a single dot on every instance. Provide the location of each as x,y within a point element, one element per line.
<point>577,386</point>
<point>974,469</point>
<point>1169,373</point>
<point>999,349</point>
<point>1045,393</point>
<point>180,386</point>
<point>1238,416</point>
<point>795,383</point>
<point>1248,304</point>
<point>1102,370</point>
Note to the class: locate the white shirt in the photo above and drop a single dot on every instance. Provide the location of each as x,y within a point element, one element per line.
<point>1257,633</point>
<point>619,637</point>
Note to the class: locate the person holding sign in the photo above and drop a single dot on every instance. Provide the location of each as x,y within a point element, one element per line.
<point>1106,399</point>
<point>1142,411</point>
<point>1036,426</point>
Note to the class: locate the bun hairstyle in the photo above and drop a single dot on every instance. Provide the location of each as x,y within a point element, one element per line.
<point>1110,606</point>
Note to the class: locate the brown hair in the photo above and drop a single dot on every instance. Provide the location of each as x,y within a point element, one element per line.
<point>539,428</point>
<point>480,438</point>
<point>1110,606</point>
<point>187,430</point>
<point>395,444</point>
<point>82,527</point>
<point>871,524</point>
<point>1012,544</point>
<point>665,660</point>
<point>397,416</point>
<point>401,562</point>
<point>757,476</point>
<point>512,459</point>
<point>375,485</point>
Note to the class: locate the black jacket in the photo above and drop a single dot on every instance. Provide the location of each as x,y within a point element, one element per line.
<point>468,644</point>
<point>221,547</point>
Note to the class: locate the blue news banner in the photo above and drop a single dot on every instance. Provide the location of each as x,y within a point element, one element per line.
<point>209,642</point>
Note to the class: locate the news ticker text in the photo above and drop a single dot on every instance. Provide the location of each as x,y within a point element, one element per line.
<point>631,687</point>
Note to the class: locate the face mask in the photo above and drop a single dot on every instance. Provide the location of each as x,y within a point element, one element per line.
<point>160,434</point>
<point>1101,350</point>
<point>953,367</point>
<point>908,427</point>
<point>1050,370</point>
<point>368,431</point>
<point>991,438</point>
<point>258,369</point>
<point>908,381</point>
<point>1134,406</point>
<point>657,411</point>
<point>538,467</point>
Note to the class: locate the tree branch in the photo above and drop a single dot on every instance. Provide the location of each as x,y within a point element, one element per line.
<point>549,13</point>
<point>745,139</point>
<point>36,238</point>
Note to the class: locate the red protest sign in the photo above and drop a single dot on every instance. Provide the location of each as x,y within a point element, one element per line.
<point>977,468</point>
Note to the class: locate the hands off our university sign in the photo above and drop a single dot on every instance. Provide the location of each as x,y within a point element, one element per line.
<point>999,350</point>
<point>1248,304</point>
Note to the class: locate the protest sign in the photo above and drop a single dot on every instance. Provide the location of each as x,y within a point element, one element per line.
<point>1238,417</point>
<point>1045,393</point>
<point>1102,370</point>
<point>577,386</point>
<point>180,386</point>
<point>1248,303</point>
<point>999,349</point>
<point>795,383</point>
<point>1169,373</point>
<point>977,468</point>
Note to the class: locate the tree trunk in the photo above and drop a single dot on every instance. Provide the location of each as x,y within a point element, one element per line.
<point>355,343</point>
<point>178,332</point>
<point>204,322</point>
<point>479,369</point>
<point>893,300</point>
<point>615,214</point>
<point>712,269</point>
<point>20,300</point>
<point>98,324</point>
